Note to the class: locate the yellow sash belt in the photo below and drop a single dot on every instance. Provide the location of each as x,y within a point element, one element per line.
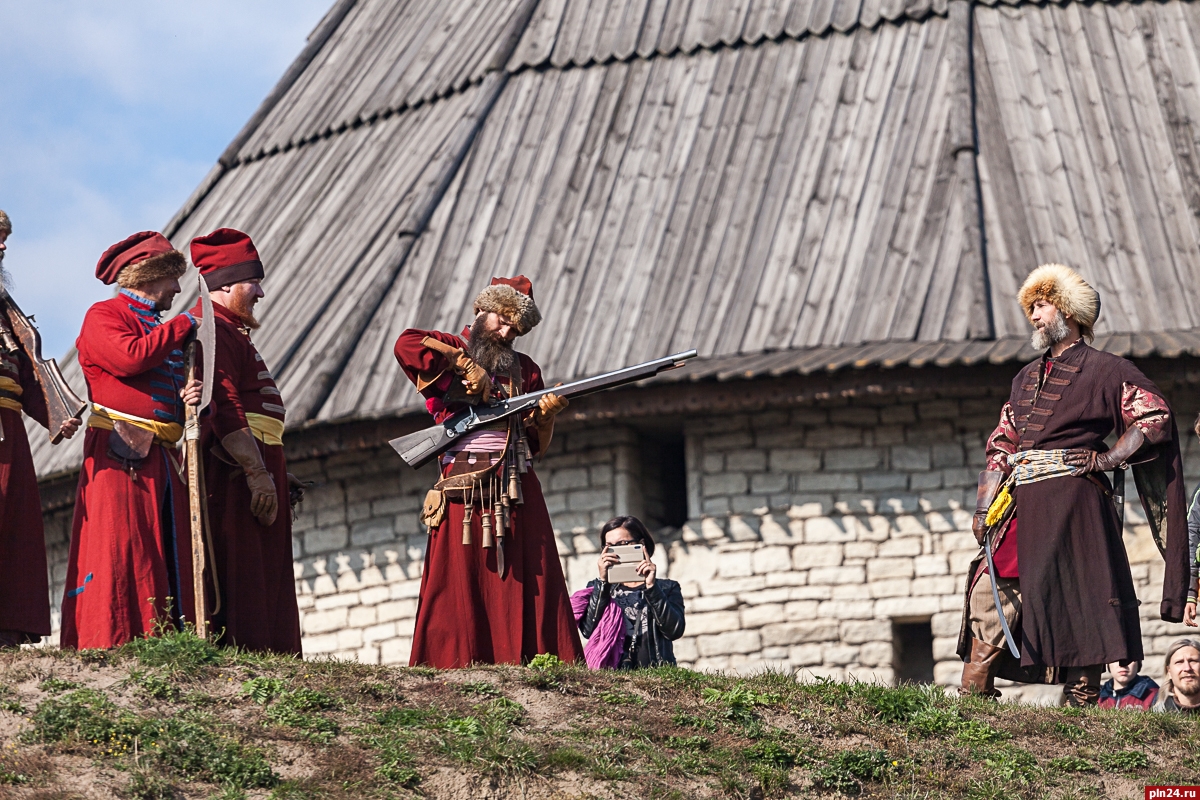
<point>268,430</point>
<point>11,386</point>
<point>164,432</point>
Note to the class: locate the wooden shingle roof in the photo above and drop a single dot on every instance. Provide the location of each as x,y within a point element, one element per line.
<point>797,182</point>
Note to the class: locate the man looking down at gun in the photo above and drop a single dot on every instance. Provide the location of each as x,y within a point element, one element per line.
<point>130,561</point>
<point>1051,519</point>
<point>492,589</point>
<point>246,478</point>
<point>24,587</point>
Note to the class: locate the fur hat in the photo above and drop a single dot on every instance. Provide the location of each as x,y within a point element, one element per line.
<point>512,297</point>
<point>1063,288</point>
<point>5,224</point>
<point>140,259</point>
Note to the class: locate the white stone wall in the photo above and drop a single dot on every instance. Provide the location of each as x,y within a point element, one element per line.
<point>810,532</point>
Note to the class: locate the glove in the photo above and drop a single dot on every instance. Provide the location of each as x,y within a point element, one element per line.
<point>989,485</point>
<point>1091,461</point>
<point>474,376</point>
<point>264,502</point>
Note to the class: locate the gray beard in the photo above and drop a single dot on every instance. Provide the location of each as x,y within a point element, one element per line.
<point>5,276</point>
<point>493,354</point>
<point>1046,337</point>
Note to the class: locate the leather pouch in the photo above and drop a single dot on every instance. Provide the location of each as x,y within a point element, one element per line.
<point>433,512</point>
<point>129,444</point>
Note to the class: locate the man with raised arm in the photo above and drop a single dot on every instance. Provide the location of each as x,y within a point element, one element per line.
<point>130,564</point>
<point>492,590</point>
<point>246,478</point>
<point>1061,571</point>
<point>24,581</point>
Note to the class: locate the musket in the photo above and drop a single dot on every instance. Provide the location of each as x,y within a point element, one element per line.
<point>17,333</point>
<point>206,339</point>
<point>417,449</point>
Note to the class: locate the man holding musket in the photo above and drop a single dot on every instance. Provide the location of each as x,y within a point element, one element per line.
<point>24,587</point>
<point>129,568</point>
<point>1048,515</point>
<point>492,590</point>
<point>246,479</point>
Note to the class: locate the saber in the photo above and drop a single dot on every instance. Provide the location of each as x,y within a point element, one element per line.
<point>1008,637</point>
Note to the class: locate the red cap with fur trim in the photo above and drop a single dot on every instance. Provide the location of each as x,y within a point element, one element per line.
<point>512,297</point>
<point>226,256</point>
<point>144,257</point>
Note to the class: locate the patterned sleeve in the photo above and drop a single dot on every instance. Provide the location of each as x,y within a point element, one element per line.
<point>1002,442</point>
<point>1148,411</point>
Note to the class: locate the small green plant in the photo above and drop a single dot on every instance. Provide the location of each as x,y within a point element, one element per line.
<point>546,662</point>
<point>479,689</point>
<point>685,720</point>
<point>974,731</point>
<point>9,703</point>
<point>738,703</point>
<point>151,685</point>
<point>1070,731</point>
<point>617,697</point>
<point>1071,764</point>
<point>1013,765</point>
<point>298,709</point>
<point>263,690</point>
<point>176,651</point>
<point>57,686</point>
<point>845,771</point>
<point>546,671</point>
<point>1123,761</point>
<point>145,785</point>
<point>900,704</point>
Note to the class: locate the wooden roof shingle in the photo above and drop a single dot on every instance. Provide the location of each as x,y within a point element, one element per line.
<point>787,185</point>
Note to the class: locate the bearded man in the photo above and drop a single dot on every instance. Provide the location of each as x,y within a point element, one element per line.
<point>492,590</point>
<point>130,564</point>
<point>246,479</point>
<point>24,581</point>
<point>1062,574</point>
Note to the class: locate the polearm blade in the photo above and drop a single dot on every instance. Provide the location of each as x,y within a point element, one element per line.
<point>207,336</point>
<point>206,339</point>
<point>1008,637</point>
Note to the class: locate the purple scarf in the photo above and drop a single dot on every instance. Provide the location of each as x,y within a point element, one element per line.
<point>607,643</point>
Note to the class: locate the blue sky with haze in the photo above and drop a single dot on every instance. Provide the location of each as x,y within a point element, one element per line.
<point>111,115</point>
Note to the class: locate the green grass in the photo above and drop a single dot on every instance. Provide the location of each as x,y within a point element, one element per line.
<point>179,717</point>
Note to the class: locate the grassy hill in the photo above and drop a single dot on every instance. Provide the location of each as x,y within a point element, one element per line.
<point>175,717</point>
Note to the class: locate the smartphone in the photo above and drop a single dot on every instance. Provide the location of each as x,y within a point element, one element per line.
<point>626,571</point>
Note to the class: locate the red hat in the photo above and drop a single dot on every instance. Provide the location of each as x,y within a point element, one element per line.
<point>140,259</point>
<point>225,257</point>
<point>512,297</point>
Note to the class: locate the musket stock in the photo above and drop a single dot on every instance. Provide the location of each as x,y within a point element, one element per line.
<point>62,403</point>
<point>417,449</point>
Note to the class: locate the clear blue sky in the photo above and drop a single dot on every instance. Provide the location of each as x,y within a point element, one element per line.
<point>110,115</point>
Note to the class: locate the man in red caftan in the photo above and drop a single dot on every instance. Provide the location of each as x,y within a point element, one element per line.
<point>246,477</point>
<point>492,590</point>
<point>1062,574</point>
<point>24,586</point>
<point>130,565</point>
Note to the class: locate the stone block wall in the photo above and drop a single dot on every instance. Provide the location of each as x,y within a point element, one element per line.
<point>810,532</point>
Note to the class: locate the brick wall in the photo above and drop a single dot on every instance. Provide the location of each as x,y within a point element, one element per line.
<point>809,533</point>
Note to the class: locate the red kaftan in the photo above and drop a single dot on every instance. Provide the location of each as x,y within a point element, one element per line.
<point>24,585</point>
<point>253,563</point>
<point>467,612</point>
<point>130,543</point>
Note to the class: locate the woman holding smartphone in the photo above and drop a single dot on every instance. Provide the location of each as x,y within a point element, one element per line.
<point>632,624</point>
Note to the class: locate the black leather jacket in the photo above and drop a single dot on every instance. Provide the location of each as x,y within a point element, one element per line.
<point>664,604</point>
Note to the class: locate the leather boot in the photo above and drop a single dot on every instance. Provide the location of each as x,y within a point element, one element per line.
<point>1081,686</point>
<point>979,674</point>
